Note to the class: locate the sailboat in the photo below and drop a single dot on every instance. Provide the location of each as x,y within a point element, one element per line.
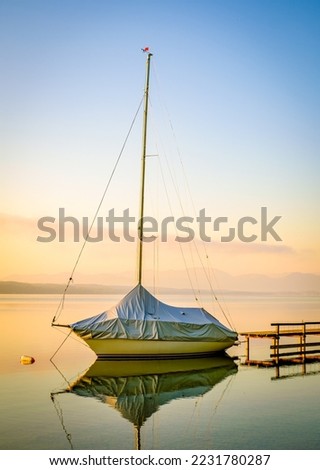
<point>140,325</point>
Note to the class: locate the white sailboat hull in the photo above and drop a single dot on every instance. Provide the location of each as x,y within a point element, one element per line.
<point>131,348</point>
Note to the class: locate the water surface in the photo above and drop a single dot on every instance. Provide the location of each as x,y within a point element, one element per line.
<point>74,402</point>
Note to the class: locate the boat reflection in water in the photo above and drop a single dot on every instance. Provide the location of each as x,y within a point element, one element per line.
<point>137,389</point>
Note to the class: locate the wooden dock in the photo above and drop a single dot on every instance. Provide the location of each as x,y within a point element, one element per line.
<point>301,351</point>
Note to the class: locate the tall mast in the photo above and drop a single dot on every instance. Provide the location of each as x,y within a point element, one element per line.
<point>143,168</point>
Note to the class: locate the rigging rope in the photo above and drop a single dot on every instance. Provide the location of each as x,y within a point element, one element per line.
<point>175,186</point>
<point>59,412</point>
<point>181,250</point>
<point>195,291</point>
<point>171,211</point>
<point>61,304</point>
<point>226,314</point>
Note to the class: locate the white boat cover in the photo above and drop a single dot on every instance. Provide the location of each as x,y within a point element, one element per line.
<point>139,315</point>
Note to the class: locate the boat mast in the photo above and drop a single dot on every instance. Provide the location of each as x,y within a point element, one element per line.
<point>143,167</point>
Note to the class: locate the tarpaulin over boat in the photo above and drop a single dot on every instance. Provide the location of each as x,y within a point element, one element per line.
<point>139,315</point>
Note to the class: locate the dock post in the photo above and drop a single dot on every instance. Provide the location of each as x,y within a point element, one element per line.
<point>247,348</point>
<point>276,343</point>
<point>304,342</point>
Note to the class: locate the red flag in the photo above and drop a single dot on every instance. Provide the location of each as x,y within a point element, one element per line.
<point>145,49</point>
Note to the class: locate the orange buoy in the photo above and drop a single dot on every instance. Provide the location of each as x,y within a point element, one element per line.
<point>26,360</point>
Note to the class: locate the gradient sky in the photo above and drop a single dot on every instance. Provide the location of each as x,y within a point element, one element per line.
<point>234,93</point>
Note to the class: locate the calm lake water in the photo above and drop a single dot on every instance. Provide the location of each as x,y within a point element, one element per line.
<point>74,402</point>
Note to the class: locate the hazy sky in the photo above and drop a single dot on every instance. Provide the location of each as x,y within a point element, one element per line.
<point>234,95</point>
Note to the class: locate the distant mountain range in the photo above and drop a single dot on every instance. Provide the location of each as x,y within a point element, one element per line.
<point>286,283</point>
<point>302,283</point>
<point>12,287</point>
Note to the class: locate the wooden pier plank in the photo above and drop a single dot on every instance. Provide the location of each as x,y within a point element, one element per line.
<point>273,334</point>
<point>295,353</point>
<point>295,345</point>
<point>303,352</point>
